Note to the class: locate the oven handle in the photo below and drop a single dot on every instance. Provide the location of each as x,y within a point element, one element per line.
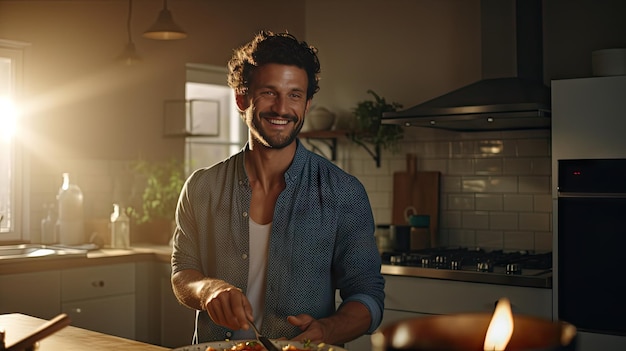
<point>594,195</point>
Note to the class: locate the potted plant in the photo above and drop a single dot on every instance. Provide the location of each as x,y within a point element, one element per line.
<point>160,184</point>
<point>369,129</point>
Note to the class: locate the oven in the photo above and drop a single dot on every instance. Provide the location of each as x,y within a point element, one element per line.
<point>591,239</point>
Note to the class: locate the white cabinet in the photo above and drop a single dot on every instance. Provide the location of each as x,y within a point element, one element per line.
<point>437,296</point>
<point>101,298</point>
<point>161,319</point>
<point>177,321</point>
<point>36,294</point>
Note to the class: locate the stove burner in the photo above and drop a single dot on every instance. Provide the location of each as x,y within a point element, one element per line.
<point>484,267</point>
<point>397,259</point>
<point>514,269</point>
<point>440,262</point>
<point>496,261</point>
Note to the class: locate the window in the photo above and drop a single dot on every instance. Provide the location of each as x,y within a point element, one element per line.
<point>209,83</point>
<point>11,168</point>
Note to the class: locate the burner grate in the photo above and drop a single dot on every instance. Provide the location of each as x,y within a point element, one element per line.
<point>513,262</point>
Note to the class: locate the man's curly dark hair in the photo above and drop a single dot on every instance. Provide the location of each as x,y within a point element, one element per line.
<point>269,47</point>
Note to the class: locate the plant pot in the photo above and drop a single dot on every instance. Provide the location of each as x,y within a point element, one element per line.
<point>158,232</point>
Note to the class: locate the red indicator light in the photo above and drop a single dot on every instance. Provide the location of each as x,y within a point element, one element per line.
<point>577,173</point>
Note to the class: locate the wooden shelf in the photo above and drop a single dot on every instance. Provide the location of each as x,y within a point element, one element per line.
<point>332,135</point>
<point>323,134</point>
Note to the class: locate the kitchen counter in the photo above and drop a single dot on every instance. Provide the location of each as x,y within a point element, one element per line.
<point>162,253</point>
<point>70,338</point>
<point>542,280</point>
<point>137,253</point>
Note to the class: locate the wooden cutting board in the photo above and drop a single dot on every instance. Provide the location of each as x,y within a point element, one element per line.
<point>419,190</point>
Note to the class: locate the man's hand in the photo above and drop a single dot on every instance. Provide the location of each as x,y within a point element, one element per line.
<point>348,323</point>
<point>313,329</point>
<point>226,305</point>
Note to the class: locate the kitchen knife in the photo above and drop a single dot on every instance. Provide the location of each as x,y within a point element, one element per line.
<point>264,340</point>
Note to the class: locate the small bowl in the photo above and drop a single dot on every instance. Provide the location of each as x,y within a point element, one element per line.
<point>320,118</point>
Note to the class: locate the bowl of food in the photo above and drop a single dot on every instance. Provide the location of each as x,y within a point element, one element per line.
<point>253,345</point>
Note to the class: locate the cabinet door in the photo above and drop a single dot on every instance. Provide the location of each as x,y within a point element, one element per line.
<point>97,281</point>
<point>113,315</point>
<point>36,294</point>
<point>436,296</point>
<point>101,298</point>
<point>177,321</point>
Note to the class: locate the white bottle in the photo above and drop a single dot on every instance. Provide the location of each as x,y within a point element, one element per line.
<point>120,229</point>
<point>70,224</point>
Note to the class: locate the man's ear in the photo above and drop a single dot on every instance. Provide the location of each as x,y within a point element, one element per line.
<point>242,102</point>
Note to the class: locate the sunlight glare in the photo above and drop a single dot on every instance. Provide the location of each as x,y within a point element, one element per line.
<point>8,119</point>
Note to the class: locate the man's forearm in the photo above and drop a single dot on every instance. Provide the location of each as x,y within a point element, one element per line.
<point>185,285</point>
<point>352,320</point>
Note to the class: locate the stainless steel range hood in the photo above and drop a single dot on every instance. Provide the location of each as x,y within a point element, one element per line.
<point>511,103</point>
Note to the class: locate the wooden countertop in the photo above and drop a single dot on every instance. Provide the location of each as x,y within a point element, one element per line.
<point>70,338</point>
<point>137,253</point>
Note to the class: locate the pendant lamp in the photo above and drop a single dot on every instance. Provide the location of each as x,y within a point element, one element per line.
<point>129,56</point>
<point>165,28</point>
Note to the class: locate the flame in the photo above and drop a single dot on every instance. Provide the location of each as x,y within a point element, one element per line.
<point>500,327</point>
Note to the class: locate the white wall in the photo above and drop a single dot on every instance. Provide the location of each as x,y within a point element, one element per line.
<point>91,116</point>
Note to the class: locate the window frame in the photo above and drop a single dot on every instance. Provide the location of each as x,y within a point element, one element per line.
<point>19,227</point>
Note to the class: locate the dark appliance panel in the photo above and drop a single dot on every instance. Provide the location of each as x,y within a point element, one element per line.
<point>592,244</point>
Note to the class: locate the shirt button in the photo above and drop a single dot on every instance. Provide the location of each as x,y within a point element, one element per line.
<point>244,256</point>
<point>245,214</point>
<point>229,335</point>
<point>241,182</point>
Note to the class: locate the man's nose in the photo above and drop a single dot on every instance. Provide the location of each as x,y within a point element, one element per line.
<point>280,105</point>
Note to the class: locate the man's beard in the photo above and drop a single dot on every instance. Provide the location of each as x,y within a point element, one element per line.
<point>275,141</point>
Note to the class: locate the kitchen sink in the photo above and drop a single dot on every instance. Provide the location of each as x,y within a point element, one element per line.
<point>39,250</point>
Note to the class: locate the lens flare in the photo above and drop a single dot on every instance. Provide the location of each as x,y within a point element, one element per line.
<point>8,119</point>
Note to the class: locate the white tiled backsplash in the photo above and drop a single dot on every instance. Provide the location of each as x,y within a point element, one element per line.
<point>495,186</point>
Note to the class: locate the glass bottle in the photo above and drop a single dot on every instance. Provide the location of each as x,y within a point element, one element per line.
<point>120,228</point>
<point>70,224</point>
<point>48,230</point>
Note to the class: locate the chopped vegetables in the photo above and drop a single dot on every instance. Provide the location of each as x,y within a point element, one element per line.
<point>255,346</point>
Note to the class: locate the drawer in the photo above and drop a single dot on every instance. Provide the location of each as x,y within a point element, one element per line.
<point>436,296</point>
<point>37,294</point>
<point>97,281</point>
<point>113,315</point>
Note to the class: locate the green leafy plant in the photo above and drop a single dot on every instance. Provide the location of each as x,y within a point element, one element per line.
<point>163,182</point>
<point>369,128</point>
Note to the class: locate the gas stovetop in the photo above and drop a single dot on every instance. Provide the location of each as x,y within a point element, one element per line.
<point>475,260</point>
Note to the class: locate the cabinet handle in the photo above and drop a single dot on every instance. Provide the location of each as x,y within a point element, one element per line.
<point>97,283</point>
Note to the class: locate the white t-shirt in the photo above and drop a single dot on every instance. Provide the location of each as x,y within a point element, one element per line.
<point>257,255</point>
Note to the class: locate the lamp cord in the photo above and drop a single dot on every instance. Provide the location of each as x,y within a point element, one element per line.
<point>130,14</point>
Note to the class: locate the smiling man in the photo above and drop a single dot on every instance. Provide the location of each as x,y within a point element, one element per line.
<point>269,234</point>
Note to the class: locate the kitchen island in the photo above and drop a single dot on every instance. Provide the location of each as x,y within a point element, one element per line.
<point>158,318</point>
<point>70,338</point>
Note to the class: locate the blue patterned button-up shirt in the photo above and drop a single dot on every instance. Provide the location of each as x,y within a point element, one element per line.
<point>322,239</point>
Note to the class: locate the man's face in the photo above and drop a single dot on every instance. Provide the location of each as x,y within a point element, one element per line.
<point>275,104</point>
